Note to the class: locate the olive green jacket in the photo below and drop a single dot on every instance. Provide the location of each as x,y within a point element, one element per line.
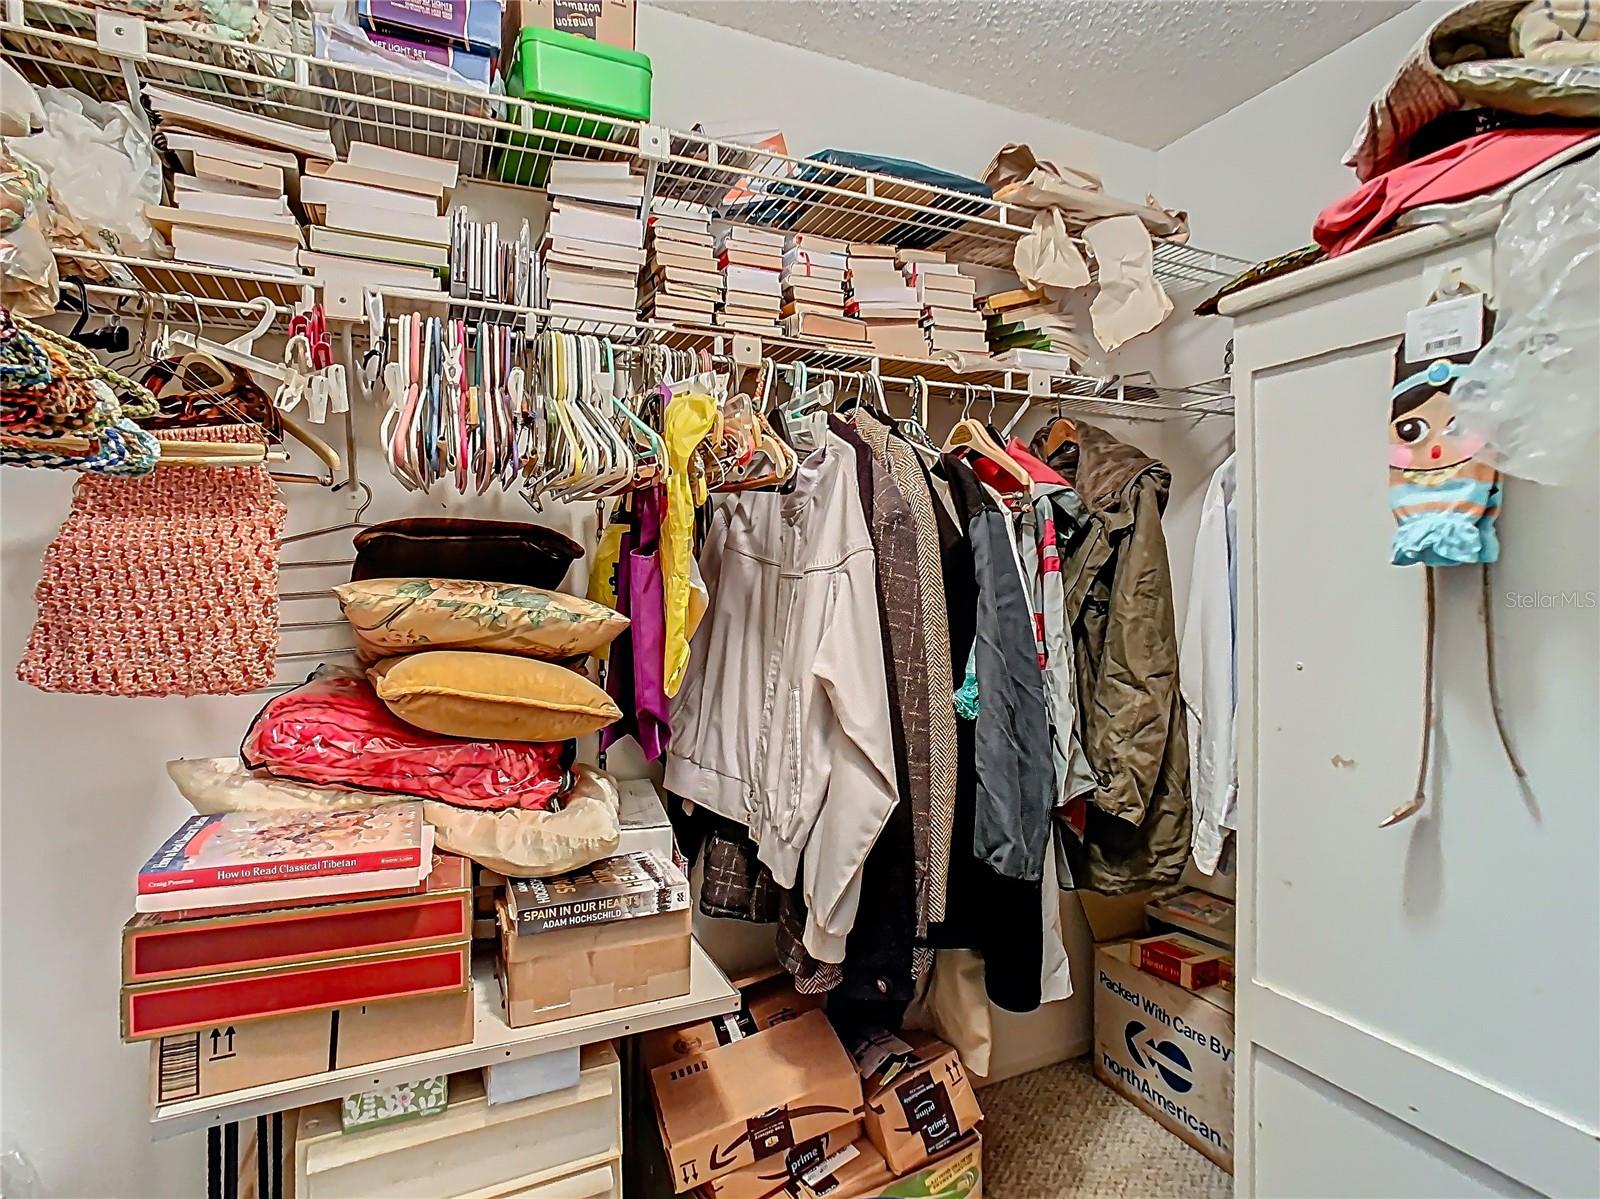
<point>1119,598</point>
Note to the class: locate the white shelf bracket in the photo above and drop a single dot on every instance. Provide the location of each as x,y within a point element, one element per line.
<point>746,349</point>
<point>654,143</point>
<point>121,35</point>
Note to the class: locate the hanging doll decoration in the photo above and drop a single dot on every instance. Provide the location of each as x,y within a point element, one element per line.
<point>1445,500</point>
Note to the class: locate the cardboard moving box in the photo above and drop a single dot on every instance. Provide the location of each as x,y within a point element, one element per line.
<point>608,21</point>
<point>789,1174</point>
<point>1167,1050</point>
<point>593,968</point>
<point>737,1104</point>
<point>764,1004</point>
<point>956,1175</point>
<point>925,1106</point>
<point>231,1057</point>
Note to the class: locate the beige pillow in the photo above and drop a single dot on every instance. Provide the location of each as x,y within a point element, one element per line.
<point>397,616</point>
<point>516,841</point>
<point>523,844</point>
<point>491,697</point>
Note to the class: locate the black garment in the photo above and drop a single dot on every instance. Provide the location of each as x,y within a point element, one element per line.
<point>1001,918</point>
<point>877,960</point>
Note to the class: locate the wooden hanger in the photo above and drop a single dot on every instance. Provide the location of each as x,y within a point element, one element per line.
<point>973,436</point>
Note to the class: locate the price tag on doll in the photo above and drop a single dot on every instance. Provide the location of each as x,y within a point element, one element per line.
<point>1446,328</point>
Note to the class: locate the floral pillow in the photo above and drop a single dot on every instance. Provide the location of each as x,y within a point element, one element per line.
<point>397,616</point>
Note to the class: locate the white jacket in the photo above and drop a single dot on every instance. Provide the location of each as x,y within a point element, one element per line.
<point>782,722</point>
<point>1207,671</point>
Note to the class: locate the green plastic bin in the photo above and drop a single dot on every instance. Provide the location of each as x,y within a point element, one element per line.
<point>569,71</point>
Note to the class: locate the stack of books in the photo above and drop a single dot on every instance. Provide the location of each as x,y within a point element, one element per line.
<point>950,316</point>
<point>594,242</point>
<point>609,935</point>
<point>879,296</point>
<point>486,264</point>
<point>751,262</point>
<point>378,218</point>
<point>1028,320</point>
<point>270,945</point>
<point>681,279</point>
<point>231,203</point>
<point>813,290</point>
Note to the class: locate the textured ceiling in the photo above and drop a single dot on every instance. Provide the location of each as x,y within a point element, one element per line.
<point>1141,71</point>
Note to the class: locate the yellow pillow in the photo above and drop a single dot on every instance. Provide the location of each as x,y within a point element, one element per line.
<point>397,616</point>
<point>491,697</point>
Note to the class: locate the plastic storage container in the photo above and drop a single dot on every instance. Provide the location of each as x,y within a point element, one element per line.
<point>573,72</point>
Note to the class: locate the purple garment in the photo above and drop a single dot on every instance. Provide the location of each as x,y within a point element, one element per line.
<point>648,612</point>
<point>619,661</point>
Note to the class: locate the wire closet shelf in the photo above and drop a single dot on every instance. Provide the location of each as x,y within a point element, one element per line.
<point>58,44</point>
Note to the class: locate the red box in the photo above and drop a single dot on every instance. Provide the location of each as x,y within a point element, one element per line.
<point>1191,964</point>
<point>158,946</point>
<point>181,975</point>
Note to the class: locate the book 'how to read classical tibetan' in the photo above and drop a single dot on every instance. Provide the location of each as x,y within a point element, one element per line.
<point>253,857</point>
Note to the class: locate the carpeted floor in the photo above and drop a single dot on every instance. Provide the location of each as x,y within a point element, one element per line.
<point>1058,1133</point>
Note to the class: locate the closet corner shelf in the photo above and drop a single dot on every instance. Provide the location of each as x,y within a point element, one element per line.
<point>495,137</point>
<point>710,994</point>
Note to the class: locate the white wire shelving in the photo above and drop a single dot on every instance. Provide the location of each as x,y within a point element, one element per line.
<point>512,142</point>
<point>497,139</point>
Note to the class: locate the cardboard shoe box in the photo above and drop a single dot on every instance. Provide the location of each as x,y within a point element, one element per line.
<point>754,1099</point>
<point>593,968</point>
<point>1166,1050</point>
<point>231,1057</point>
<point>920,1102</point>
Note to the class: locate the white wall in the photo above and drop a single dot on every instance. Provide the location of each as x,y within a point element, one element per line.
<point>85,796</point>
<point>733,81</point>
<point>1255,178</point>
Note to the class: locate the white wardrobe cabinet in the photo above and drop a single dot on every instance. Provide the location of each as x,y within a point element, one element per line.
<point>1419,1006</point>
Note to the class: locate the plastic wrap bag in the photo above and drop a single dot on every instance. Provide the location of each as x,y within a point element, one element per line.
<point>333,730</point>
<point>1533,391</point>
<point>514,841</point>
<point>102,170</point>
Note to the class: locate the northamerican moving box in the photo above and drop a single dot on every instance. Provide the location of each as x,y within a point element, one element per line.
<point>753,1099</point>
<point>231,1057</point>
<point>593,968</point>
<point>1168,1050</point>
<point>924,1108</point>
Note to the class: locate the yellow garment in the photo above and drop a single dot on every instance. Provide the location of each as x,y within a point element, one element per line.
<point>687,421</point>
<point>603,573</point>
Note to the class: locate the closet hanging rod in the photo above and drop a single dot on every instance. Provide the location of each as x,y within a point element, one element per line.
<point>1014,394</point>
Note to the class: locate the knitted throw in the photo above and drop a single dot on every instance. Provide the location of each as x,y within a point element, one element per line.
<point>163,585</point>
